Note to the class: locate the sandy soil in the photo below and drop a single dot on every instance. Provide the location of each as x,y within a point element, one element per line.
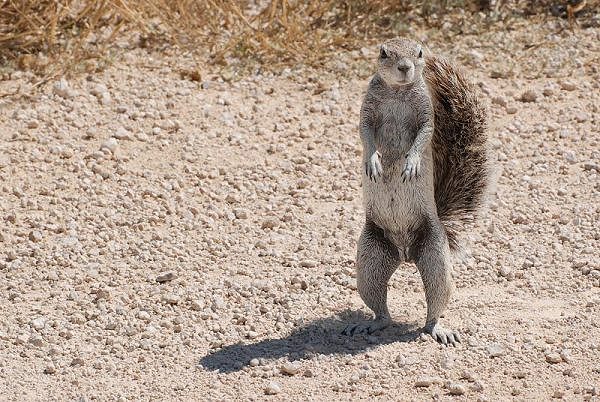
<point>165,239</point>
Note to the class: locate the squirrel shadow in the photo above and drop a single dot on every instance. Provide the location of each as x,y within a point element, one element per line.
<point>318,337</point>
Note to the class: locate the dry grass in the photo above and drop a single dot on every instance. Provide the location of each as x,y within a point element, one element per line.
<point>57,36</point>
<point>45,35</point>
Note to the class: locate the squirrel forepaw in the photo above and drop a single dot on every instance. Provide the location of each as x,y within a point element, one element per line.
<point>373,166</point>
<point>412,167</point>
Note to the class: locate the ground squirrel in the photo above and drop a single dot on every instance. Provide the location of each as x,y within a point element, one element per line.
<point>425,171</point>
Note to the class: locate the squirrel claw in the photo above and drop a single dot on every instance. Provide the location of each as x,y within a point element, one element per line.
<point>411,167</point>
<point>366,327</point>
<point>373,167</point>
<point>442,335</point>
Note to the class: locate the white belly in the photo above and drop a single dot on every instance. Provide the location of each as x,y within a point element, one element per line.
<point>398,207</point>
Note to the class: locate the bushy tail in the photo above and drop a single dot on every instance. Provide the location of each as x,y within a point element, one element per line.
<point>459,147</point>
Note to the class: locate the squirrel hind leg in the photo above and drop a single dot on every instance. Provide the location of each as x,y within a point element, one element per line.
<point>377,259</point>
<point>431,253</point>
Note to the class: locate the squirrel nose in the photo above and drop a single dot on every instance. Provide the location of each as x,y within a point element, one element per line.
<point>403,68</point>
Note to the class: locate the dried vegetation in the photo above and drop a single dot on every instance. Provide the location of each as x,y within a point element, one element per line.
<point>57,36</point>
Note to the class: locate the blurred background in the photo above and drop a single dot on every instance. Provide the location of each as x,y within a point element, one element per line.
<point>50,38</point>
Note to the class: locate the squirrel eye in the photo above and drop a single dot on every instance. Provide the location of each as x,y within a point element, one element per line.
<point>420,53</point>
<point>383,54</point>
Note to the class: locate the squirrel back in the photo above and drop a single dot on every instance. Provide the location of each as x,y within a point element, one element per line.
<point>459,144</point>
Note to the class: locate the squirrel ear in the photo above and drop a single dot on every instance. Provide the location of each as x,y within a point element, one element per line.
<point>420,53</point>
<point>382,53</point>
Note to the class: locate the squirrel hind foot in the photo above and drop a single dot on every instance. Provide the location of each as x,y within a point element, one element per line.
<point>366,327</point>
<point>443,335</point>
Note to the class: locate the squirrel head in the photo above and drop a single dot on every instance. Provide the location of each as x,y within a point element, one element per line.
<point>401,62</point>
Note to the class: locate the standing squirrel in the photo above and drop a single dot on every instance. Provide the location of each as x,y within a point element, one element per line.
<point>425,173</point>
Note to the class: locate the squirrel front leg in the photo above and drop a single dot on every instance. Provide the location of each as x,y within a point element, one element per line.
<point>372,158</point>
<point>412,165</point>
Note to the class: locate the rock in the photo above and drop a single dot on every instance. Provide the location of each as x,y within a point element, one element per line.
<point>21,339</point>
<point>90,133</point>
<point>170,299</point>
<point>529,96</point>
<point>457,389</point>
<point>499,74</point>
<point>308,263</point>
<point>102,171</point>
<point>254,362</point>
<point>290,368</point>
<point>141,137</point>
<point>144,315</point>
<point>511,110</point>
<point>104,98</point>
<point>272,388</point>
<point>475,57</point>
<point>227,74</point>
<point>38,323</point>
<point>499,100</point>
<point>218,304</point>
<point>426,381</point>
<point>231,199</point>
<point>570,156</point>
<point>197,305</point>
<point>36,340</point>
<point>303,183</point>
<point>565,355</point>
<point>100,91</point>
<point>169,125</point>
<point>518,218</point>
<point>11,217</point>
<point>521,374</point>
<point>62,89</point>
<point>110,144</point>
<point>568,86</point>
<point>468,375</point>
<point>553,358</point>
<point>477,386</point>
<point>581,116</point>
<point>35,236</point>
<point>506,272</point>
<point>122,134</point>
<point>558,394</point>
<point>240,213</point>
<point>495,350</point>
<point>377,391</point>
<point>270,223</point>
<point>77,362</point>
<point>166,277</point>
<point>447,362</point>
<point>548,91</point>
<point>97,89</point>
<point>50,369</point>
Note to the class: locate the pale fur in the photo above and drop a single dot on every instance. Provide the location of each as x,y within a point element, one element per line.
<point>411,192</point>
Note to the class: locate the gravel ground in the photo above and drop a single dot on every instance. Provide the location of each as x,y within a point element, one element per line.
<point>167,239</point>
